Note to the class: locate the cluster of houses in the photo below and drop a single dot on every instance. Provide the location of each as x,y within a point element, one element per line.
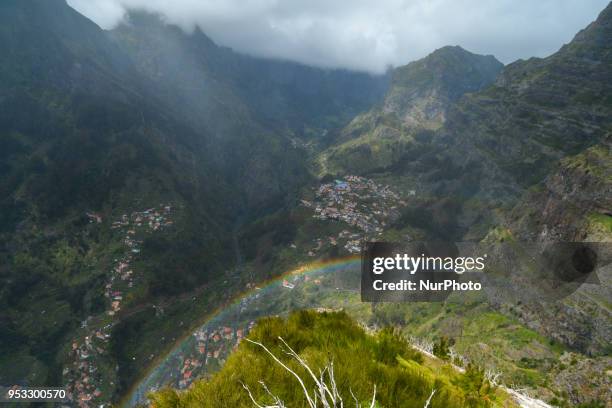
<point>212,346</point>
<point>290,283</point>
<point>206,350</point>
<point>83,386</point>
<point>154,218</point>
<point>135,224</point>
<point>357,201</point>
<point>81,376</point>
<point>121,271</point>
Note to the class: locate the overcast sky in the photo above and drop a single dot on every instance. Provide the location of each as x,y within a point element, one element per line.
<point>368,34</point>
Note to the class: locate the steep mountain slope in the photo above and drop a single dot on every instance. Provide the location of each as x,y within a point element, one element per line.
<point>279,93</point>
<point>539,110</point>
<point>417,102</point>
<point>260,161</point>
<point>73,89</point>
<point>496,142</point>
<point>571,205</point>
<point>422,92</point>
<point>80,133</point>
<point>258,111</point>
<point>144,127</point>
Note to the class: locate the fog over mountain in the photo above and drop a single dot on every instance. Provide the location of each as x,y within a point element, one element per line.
<point>367,35</point>
<point>162,196</point>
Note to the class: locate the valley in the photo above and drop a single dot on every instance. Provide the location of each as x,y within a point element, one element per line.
<point>162,196</point>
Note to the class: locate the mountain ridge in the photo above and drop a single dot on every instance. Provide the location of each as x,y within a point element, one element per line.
<point>101,128</point>
<point>87,139</point>
<point>416,104</point>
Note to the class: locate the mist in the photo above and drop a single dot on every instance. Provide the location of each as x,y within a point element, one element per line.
<point>365,35</point>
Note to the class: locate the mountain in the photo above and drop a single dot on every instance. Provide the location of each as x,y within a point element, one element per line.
<point>259,113</point>
<point>537,112</point>
<point>526,158</point>
<point>148,127</point>
<point>527,161</point>
<point>418,100</point>
<point>148,175</point>
<point>571,205</point>
<point>494,142</point>
<point>422,92</point>
<point>278,93</point>
<point>82,132</point>
<point>540,110</point>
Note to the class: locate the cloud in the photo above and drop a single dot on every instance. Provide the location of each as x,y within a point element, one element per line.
<point>364,34</point>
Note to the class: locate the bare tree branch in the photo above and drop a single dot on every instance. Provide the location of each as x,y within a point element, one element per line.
<point>492,376</point>
<point>433,391</point>
<point>246,387</point>
<point>373,398</point>
<point>357,405</point>
<point>326,389</point>
<point>306,394</point>
<point>279,403</point>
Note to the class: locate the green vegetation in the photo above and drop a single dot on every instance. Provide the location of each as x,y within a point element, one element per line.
<point>114,122</point>
<point>378,144</point>
<point>601,221</point>
<point>86,127</point>
<point>402,376</point>
<point>595,161</point>
<point>441,348</point>
<point>485,337</point>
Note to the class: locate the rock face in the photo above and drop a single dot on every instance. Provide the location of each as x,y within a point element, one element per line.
<point>422,92</point>
<point>541,110</point>
<point>584,380</point>
<point>572,204</point>
<point>492,144</point>
<point>418,99</point>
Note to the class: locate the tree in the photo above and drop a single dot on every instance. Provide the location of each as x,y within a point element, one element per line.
<point>441,349</point>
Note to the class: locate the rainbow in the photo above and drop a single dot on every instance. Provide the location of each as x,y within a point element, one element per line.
<point>326,266</point>
<point>317,267</point>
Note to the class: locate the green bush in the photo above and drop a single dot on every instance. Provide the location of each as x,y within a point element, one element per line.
<point>441,348</point>
<point>360,362</point>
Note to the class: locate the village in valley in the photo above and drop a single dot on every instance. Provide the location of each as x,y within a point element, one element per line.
<point>211,348</point>
<point>362,205</point>
<point>210,345</point>
<point>207,348</point>
<point>82,375</point>
<point>359,202</point>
